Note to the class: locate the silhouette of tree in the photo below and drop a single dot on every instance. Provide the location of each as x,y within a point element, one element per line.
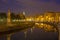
<point>3,15</point>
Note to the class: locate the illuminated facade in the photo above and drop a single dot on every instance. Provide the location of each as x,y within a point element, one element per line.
<point>52,16</point>
<point>57,17</point>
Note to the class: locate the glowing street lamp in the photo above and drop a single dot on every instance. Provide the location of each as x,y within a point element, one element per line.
<point>42,19</point>
<point>1,20</point>
<point>49,19</point>
<point>29,19</point>
<point>59,19</point>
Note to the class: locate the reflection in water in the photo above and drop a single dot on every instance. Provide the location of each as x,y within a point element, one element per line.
<point>45,27</point>
<point>25,33</point>
<point>8,37</point>
<point>39,31</point>
<point>32,29</point>
<point>26,30</point>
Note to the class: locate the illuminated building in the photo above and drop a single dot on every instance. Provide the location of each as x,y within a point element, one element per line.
<point>21,15</point>
<point>49,16</point>
<point>57,16</point>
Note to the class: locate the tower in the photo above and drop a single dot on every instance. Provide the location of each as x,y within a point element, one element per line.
<point>8,17</point>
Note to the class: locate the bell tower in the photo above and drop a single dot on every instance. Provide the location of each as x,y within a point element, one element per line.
<point>8,17</point>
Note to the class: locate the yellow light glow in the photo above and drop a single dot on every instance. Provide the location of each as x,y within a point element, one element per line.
<point>17,20</point>
<point>42,24</point>
<point>41,16</point>
<point>8,20</point>
<point>13,20</point>
<point>36,23</point>
<point>46,16</point>
<point>29,19</point>
<point>37,19</point>
<point>1,19</point>
<point>49,18</point>
<point>42,19</point>
<point>59,19</point>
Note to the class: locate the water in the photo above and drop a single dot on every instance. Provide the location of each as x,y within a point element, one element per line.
<point>34,33</point>
<point>37,34</point>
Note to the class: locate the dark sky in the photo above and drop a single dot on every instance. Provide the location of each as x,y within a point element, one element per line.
<point>30,6</point>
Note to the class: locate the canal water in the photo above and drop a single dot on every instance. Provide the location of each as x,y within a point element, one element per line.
<point>35,33</point>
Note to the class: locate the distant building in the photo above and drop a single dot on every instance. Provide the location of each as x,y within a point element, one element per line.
<point>52,15</point>
<point>21,15</point>
<point>57,16</point>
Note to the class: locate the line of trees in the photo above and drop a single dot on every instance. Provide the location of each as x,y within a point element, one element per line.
<point>13,16</point>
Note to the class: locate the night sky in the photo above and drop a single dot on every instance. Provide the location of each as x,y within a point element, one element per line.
<point>30,6</point>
